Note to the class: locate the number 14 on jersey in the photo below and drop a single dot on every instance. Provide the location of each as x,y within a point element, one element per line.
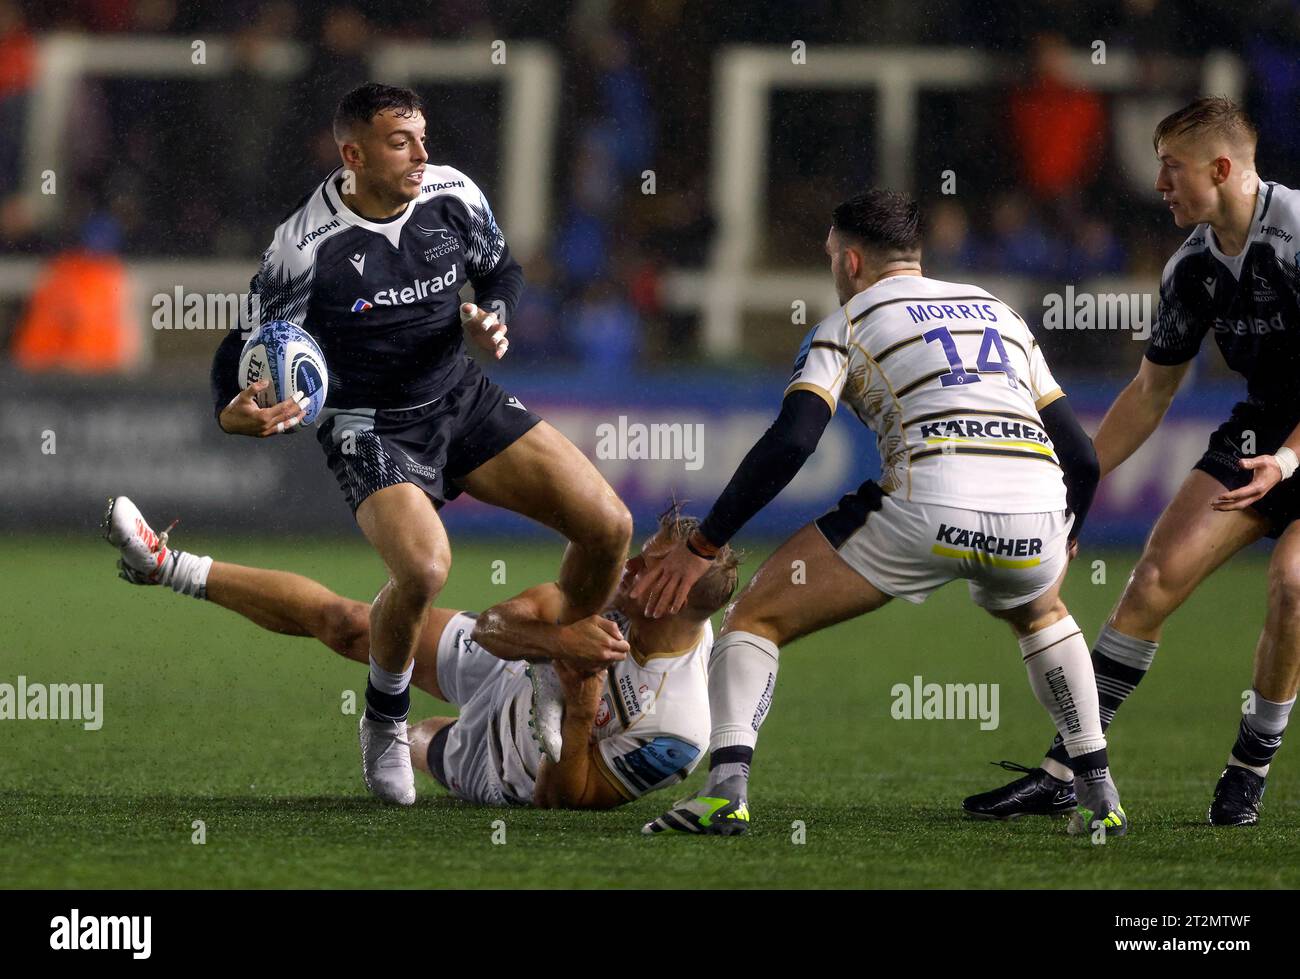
<point>992,357</point>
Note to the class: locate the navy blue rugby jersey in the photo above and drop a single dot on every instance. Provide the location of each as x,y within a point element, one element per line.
<point>381,297</point>
<point>1250,301</point>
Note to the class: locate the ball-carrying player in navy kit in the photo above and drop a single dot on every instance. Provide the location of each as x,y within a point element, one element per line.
<point>370,263</point>
<point>1236,276</point>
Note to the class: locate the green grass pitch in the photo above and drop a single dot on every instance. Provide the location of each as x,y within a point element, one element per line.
<point>208,718</point>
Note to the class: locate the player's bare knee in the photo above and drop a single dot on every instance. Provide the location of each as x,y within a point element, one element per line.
<point>1151,591</point>
<point>1284,590</point>
<point>421,583</point>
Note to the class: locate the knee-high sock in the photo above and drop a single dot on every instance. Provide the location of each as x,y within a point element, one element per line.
<point>1119,662</point>
<point>1060,673</point>
<point>1260,734</point>
<point>742,677</point>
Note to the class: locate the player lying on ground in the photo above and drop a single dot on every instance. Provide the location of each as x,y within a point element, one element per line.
<point>975,437</point>
<point>630,724</point>
<point>1236,275</point>
<point>370,263</point>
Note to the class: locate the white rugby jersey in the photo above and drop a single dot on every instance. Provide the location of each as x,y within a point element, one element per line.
<point>951,381</point>
<point>652,723</point>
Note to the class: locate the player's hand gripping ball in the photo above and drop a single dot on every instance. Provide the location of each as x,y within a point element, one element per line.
<point>286,356</point>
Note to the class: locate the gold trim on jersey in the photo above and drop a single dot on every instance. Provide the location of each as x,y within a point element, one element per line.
<point>907,389</point>
<point>948,413</point>
<point>603,767</point>
<point>839,348</point>
<point>816,389</point>
<point>977,451</point>
<point>1030,446</point>
<point>983,558</point>
<point>669,654</point>
<point>895,347</point>
<point>932,300</point>
<point>1048,398</point>
<point>898,406</point>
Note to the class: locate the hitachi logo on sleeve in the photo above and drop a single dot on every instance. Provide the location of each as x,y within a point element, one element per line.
<point>311,236</point>
<point>417,290</point>
<point>102,932</point>
<point>446,185</point>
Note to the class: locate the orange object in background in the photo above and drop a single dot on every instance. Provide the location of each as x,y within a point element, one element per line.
<point>78,319</point>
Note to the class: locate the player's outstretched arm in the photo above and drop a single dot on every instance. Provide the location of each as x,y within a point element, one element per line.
<point>775,459</point>
<point>575,782</point>
<point>525,627</point>
<point>1137,412</point>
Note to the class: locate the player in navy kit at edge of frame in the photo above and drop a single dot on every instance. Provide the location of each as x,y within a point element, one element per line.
<point>370,263</point>
<point>1237,276</point>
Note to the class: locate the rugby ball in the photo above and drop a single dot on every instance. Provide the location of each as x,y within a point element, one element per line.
<point>286,355</point>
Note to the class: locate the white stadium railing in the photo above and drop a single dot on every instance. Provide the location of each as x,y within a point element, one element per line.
<point>530,75</point>
<point>745,77</point>
<point>744,80</point>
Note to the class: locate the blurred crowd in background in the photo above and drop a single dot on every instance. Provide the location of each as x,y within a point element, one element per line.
<point>1052,181</point>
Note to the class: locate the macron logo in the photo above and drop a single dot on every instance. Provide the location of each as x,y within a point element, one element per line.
<point>102,932</point>
<point>1210,285</point>
<point>359,262</point>
<point>360,306</point>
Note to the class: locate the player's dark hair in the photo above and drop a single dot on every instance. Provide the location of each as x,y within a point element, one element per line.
<point>1214,115</point>
<point>364,102</point>
<point>717,586</point>
<point>884,220</point>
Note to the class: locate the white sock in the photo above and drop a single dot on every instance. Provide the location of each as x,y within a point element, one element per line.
<point>186,573</point>
<point>742,676</point>
<point>390,683</point>
<point>1060,673</point>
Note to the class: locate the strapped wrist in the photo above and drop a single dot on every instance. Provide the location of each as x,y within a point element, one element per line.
<point>1287,461</point>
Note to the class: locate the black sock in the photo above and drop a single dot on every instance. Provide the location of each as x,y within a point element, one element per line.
<point>735,755</point>
<point>1092,767</point>
<point>1254,748</point>
<point>387,706</point>
<point>728,764</point>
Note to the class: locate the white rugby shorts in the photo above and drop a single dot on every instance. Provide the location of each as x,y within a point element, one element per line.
<point>907,550</point>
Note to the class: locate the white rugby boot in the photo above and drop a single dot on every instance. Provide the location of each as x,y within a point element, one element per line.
<point>143,553</point>
<point>386,761</point>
